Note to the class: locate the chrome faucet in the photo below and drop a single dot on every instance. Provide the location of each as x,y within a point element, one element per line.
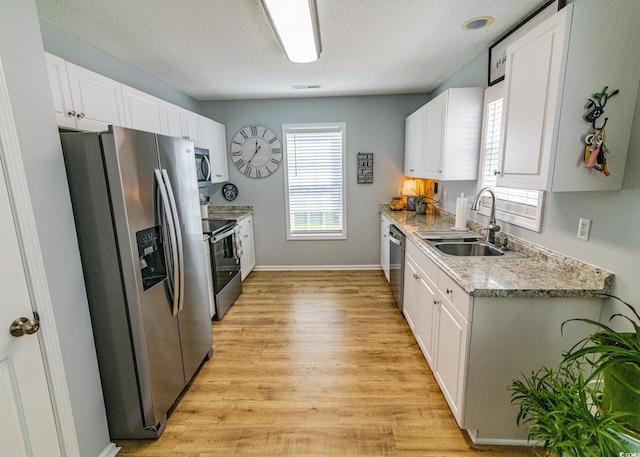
<point>492,228</point>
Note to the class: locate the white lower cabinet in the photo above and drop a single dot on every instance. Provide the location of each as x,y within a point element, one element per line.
<point>477,345</point>
<point>451,333</point>
<point>427,308</point>
<point>440,330</point>
<point>248,257</point>
<point>410,294</point>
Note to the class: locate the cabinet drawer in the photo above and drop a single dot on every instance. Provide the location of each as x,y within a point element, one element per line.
<point>455,295</point>
<point>425,263</point>
<point>246,224</point>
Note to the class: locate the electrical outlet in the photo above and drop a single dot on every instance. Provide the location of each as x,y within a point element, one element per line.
<point>584,228</point>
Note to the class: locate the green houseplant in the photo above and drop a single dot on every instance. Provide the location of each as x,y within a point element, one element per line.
<point>589,403</point>
<point>421,204</point>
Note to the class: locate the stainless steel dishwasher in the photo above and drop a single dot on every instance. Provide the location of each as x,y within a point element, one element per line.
<point>396,264</point>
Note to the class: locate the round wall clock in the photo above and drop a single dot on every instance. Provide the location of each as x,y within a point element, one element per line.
<point>256,151</point>
<point>229,191</point>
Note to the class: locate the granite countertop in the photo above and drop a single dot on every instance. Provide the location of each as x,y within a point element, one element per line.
<point>540,273</point>
<point>230,212</point>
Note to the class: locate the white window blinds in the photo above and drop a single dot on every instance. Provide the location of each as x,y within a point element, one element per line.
<point>315,180</point>
<point>517,206</point>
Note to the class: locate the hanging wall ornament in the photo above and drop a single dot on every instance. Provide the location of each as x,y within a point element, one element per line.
<point>596,150</point>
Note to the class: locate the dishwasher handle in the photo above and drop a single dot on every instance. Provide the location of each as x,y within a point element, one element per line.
<point>394,240</point>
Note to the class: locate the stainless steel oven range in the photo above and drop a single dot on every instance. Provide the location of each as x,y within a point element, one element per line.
<point>225,263</point>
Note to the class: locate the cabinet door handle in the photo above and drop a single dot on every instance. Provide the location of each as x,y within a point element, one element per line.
<point>449,291</point>
<point>496,172</point>
<point>72,113</point>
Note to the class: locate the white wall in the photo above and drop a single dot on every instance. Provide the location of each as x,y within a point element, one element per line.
<point>614,244</point>
<point>374,124</point>
<point>24,65</point>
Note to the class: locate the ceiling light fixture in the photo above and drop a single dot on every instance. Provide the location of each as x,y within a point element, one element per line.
<point>477,23</point>
<point>296,25</point>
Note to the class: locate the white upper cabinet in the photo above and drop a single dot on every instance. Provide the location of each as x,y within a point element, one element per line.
<point>83,99</point>
<point>551,73</point>
<point>442,139</point>
<point>191,128</point>
<point>172,118</point>
<point>97,100</point>
<point>213,137</point>
<point>218,154</point>
<point>415,126</point>
<point>59,82</point>
<point>142,111</point>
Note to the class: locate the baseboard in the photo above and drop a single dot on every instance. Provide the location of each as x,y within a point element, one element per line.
<point>315,267</point>
<point>110,451</point>
<point>497,442</point>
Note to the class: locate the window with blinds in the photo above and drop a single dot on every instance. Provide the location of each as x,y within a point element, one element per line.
<point>314,175</point>
<point>520,207</point>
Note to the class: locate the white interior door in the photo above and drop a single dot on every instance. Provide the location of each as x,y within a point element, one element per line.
<point>27,424</point>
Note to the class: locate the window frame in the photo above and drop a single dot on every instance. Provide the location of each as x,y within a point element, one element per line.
<point>507,211</point>
<point>309,127</point>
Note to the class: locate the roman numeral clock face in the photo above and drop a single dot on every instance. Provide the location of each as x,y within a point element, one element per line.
<point>256,151</point>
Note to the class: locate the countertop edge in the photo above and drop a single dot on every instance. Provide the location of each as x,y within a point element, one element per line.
<point>584,280</point>
<point>238,213</point>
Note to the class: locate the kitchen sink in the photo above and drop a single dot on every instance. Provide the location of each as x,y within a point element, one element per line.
<point>463,244</point>
<point>469,249</point>
<point>448,235</point>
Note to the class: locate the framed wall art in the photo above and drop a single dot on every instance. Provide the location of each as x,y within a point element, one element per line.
<point>498,50</point>
<point>365,167</point>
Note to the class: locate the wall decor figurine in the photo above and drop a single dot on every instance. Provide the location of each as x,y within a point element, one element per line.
<point>596,149</point>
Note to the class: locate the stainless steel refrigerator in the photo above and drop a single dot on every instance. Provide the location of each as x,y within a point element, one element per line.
<point>136,208</point>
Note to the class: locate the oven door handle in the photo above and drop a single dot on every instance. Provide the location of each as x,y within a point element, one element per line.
<point>223,235</point>
<point>166,215</point>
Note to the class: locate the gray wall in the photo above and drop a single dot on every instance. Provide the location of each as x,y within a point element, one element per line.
<point>24,65</point>
<point>614,244</point>
<point>75,51</point>
<point>374,124</point>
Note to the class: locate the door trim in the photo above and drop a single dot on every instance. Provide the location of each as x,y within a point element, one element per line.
<point>22,211</point>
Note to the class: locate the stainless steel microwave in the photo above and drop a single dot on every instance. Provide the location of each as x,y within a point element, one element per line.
<point>203,166</point>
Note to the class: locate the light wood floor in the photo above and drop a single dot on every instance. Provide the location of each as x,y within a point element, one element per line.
<point>313,364</point>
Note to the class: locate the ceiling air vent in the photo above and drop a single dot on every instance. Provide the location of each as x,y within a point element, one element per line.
<point>306,86</point>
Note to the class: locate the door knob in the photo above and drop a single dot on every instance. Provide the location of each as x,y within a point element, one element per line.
<point>24,325</point>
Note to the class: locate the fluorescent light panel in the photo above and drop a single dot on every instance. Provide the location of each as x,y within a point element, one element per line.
<point>296,25</point>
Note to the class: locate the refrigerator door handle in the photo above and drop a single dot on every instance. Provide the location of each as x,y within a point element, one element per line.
<point>166,209</point>
<point>176,224</point>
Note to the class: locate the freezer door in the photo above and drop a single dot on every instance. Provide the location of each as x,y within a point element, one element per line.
<point>131,160</point>
<point>177,158</point>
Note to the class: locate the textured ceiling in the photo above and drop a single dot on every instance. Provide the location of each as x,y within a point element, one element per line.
<point>226,49</point>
